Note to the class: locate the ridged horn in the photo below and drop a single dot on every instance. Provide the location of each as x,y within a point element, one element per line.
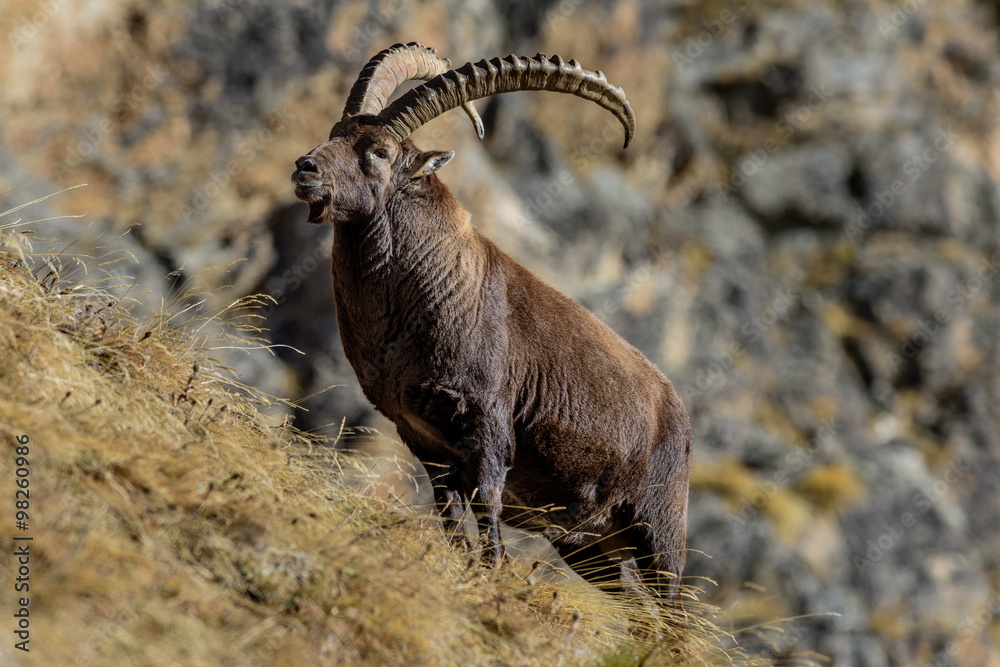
<point>391,67</point>
<point>504,75</point>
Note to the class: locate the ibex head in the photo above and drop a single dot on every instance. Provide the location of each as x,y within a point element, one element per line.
<point>368,157</point>
<point>352,176</point>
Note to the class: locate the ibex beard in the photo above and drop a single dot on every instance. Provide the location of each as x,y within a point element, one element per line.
<point>513,395</point>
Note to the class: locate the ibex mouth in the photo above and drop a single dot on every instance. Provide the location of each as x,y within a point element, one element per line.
<point>313,193</point>
<point>305,189</point>
<point>317,212</point>
<point>305,178</point>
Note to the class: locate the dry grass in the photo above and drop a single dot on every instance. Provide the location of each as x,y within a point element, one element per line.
<point>172,524</point>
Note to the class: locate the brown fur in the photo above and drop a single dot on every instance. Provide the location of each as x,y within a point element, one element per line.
<point>505,388</point>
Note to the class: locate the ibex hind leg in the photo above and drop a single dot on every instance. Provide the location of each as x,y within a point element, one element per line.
<point>659,565</point>
<point>659,539</point>
<point>659,525</point>
<point>629,551</point>
<point>614,565</point>
<point>646,577</point>
<point>609,562</point>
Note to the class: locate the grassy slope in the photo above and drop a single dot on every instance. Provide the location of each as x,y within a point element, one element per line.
<point>173,525</point>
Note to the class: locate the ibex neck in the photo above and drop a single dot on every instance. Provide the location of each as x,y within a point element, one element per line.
<point>362,250</point>
<point>398,274</point>
<point>409,256</point>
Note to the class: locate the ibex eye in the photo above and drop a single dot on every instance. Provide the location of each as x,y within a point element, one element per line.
<point>379,153</point>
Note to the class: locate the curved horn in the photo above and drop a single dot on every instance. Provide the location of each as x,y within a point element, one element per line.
<point>391,67</point>
<point>491,77</point>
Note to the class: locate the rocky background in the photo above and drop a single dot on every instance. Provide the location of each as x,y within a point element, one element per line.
<point>803,236</point>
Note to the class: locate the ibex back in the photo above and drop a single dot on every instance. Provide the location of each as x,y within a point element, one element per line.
<point>506,389</point>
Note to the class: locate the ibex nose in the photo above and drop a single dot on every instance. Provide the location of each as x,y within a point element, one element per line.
<point>306,163</point>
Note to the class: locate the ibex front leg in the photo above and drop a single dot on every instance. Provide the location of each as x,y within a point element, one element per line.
<point>480,451</point>
<point>492,456</point>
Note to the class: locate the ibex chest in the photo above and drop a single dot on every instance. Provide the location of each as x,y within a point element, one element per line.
<point>419,310</point>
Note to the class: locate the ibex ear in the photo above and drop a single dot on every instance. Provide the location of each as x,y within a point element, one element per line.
<point>430,161</point>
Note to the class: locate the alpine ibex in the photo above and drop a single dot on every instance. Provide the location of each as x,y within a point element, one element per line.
<point>502,386</point>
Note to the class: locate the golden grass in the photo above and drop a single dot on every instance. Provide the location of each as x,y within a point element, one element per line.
<point>172,524</point>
